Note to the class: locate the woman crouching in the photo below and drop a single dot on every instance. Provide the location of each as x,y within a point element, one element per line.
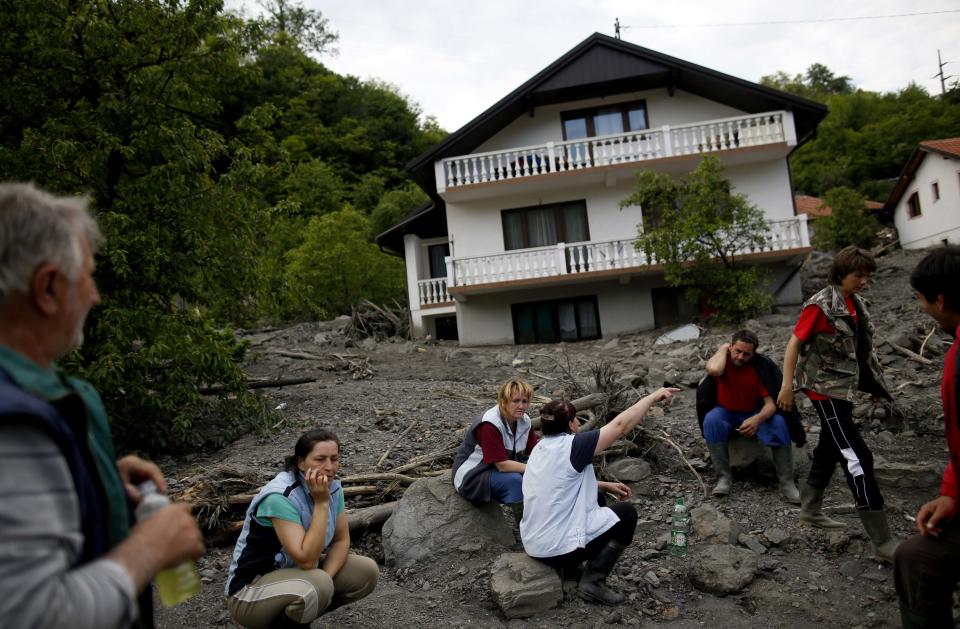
<point>292,562</point>
<point>563,524</point>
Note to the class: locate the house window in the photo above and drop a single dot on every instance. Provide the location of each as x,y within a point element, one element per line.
<point>588,123</point>
<point>559,320</point>
<point>438,263</point>
<point>913,205</point>
<point>935,188</point>
<point>545,225</point>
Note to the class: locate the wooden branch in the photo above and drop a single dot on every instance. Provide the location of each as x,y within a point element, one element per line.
<point>361,490</point>
<point>258,384</point>
<point>372,478</point>
<point>424,459</point>
<point>667,439</point>
<point>368,516</point>
<point>298,355</point>
<point>909,354</point>
<point>387,452</point>
<point>926,338</point>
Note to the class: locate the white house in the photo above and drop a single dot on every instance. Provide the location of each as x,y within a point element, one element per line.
<point>524,240</point>
<point>925,201</point>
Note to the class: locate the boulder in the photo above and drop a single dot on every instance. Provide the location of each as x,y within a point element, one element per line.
<point>723,569</point>
<point>776,536</point>
<point>752,543</point>
<point>628,470</point>
<point>523,587</point>
<point>712,527</point>
<point>908,475</point>
<point>432,520</point>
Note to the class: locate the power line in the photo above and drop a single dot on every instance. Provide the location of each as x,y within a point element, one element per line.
<point>811,21</point>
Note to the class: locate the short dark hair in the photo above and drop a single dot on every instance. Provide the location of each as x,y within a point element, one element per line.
<point>938,274</point>
<point>747,337</point>
<point>305,444</point>
<point>850,260</point>
<point>555,417</point>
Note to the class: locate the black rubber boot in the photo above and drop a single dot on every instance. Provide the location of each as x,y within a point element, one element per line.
<point>811,508</point>
<point>720,455</point>
<point>876,525</point>
<point>593,586</point>
<point>783,463</point>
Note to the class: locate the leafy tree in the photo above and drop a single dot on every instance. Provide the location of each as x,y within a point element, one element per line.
<point>292,22</point>
<point>395,205</point>
<point>112,98</point>
<point>848,223</point>
<point>696,227</point>
<point>337,265</point>
<point>817,83</point>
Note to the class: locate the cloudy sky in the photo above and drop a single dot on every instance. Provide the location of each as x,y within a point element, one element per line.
<point>457,58</point>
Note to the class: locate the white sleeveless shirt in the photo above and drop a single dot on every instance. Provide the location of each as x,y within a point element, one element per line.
<point>560,510</point>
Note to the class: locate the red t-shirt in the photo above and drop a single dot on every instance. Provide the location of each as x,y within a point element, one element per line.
<point>812,321</point>
<point>951,419</point>
<point>491,443</point>
<point>739,388</point>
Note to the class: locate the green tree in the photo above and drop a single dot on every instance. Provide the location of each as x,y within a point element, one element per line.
<point>336,265</point>
<point>696,227</point>
<point>307,29</point>
<point>113,99</point>
<point>395,205</point>
<point>848,224</point>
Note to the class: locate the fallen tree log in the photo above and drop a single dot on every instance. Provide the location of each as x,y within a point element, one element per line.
<point>909,354</point>
<point>369,516</point>
<point>357,520</point>
<point>258,384</point>
<point>581,404</point>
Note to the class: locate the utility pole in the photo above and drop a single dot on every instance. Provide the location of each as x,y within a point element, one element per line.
<point>943,79</point>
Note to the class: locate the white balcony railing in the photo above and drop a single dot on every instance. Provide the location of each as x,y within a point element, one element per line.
<point>585,257</point>
<point>433,291</point>
<point>620,148</point>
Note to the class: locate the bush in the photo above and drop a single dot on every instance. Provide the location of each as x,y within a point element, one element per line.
<point>848,224</point>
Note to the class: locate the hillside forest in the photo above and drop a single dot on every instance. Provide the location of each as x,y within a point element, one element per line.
<point>239,183</point>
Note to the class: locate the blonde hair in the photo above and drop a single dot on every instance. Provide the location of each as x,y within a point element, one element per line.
<point>510,388</point>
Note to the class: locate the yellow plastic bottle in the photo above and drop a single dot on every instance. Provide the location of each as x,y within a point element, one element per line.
<point>179,583</point>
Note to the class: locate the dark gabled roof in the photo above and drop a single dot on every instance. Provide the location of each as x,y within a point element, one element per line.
<point>948,147</point>
<point>602,65</point>
<point>426,221</point>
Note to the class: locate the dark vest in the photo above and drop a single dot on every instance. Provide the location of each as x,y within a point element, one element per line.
<point>65,422</point>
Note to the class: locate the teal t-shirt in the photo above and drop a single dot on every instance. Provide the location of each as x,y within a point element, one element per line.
<point>279,506</point>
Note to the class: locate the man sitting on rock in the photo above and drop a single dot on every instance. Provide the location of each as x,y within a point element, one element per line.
<point>736,397</point>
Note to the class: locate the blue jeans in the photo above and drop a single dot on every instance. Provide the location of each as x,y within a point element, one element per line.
<point>506,487</point>
<point>720,423</point>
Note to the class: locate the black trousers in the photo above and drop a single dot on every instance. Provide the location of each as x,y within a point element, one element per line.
<point>840,442</point>
<point>621,532</point>
<point>925,573</point>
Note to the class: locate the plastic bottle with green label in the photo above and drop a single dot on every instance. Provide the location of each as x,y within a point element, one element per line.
<point>176,584</point>
<point>679,530</point>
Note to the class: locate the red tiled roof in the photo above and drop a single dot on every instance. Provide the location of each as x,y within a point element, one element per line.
<point>947,146</point>
<point>814,207</point>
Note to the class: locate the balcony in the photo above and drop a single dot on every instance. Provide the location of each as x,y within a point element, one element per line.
<point>724,135</point>
<point>586,261</point>
<point>433,292</point>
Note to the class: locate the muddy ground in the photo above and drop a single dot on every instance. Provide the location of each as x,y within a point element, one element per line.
<point>811,579</point>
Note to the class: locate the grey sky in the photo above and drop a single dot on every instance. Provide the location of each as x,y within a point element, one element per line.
<point>457,58</point>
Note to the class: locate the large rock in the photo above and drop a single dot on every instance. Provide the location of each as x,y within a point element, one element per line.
<point>628,470</point>
<point>723,569</point>
<point>523,587</point>
<point>432,520</point>
<point>712,527</point>
<point>909,475</point>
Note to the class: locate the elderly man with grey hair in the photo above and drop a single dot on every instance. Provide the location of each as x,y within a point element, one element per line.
<point>69,553</point>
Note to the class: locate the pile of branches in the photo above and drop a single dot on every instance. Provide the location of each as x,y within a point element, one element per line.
<point>221,497</point>
<point>368,320</point>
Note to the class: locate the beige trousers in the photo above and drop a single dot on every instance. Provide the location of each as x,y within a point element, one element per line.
<point>303,595</point>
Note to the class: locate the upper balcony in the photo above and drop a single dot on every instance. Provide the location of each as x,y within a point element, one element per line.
<point>736,140</point>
